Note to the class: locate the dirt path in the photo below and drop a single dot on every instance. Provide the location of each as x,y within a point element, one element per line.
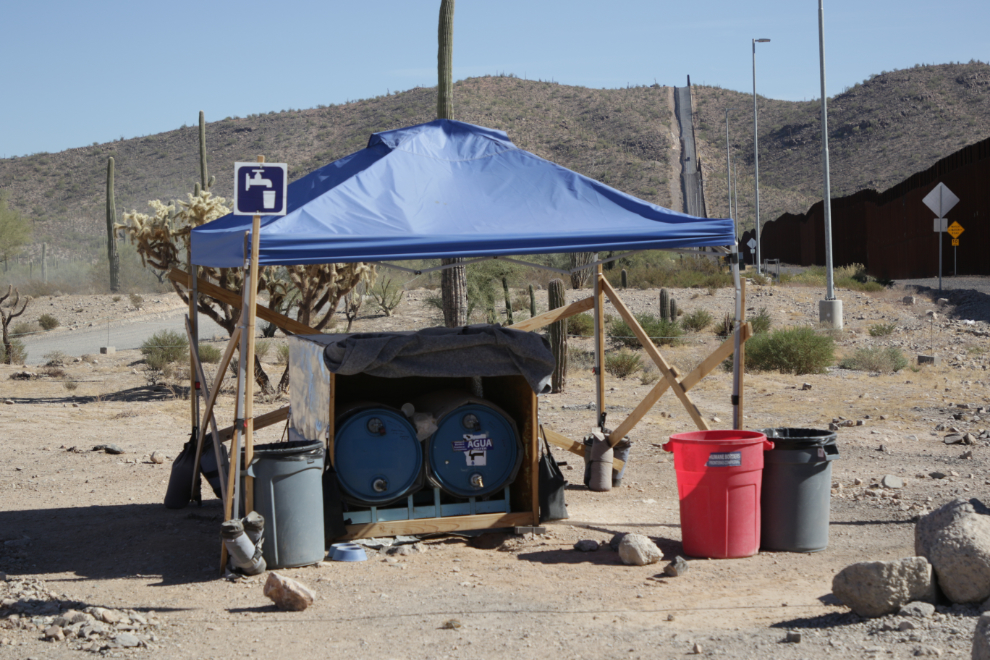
<point>91,525</point>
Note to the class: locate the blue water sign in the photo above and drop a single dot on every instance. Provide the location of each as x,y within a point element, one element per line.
<point>260,188</point>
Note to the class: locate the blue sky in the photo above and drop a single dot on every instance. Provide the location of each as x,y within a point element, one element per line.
<point>82,72</point>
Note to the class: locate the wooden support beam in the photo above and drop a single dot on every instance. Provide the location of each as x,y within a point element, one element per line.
<point>689,381</point>
<point>554,315</point>
<point>200,375</point>
<point>438,525</point>
<point>599,345</point>
<point>655,355</point>
<point>573,446</point>
<point>284,323</point>
<point>260,422</point>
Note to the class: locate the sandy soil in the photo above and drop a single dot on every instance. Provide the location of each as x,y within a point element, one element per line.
<point>91,527</point>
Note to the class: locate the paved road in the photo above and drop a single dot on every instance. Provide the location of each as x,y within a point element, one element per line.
<point>122,336</point>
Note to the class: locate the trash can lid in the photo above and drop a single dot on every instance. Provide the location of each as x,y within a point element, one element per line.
<point>278,450</point>
<point>787,438</point>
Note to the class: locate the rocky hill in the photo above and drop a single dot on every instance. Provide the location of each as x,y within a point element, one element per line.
<point>881,131</point>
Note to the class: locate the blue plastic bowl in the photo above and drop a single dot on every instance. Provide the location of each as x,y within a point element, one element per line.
<point>349,552</point>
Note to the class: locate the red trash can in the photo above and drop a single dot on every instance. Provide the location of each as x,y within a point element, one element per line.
<point>719,476</point>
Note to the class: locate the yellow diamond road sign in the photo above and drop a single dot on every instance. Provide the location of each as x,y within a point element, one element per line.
<point>955,229</point>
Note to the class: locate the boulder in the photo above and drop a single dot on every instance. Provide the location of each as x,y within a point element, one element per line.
<point>877,588</point>
<point>586,545</point>
<point>287,594</point>
<point>981,638</point>
<point>955,538</point>
<point>638,550</point>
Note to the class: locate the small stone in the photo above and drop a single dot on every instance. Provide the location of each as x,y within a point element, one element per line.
<point>157,457</point>
<point>805,386</point>
<point>670,617</point>
<point>909,300</point>
<point>586,545</point>
<point>953,439</point>
<point>857,482</point>
<point>937,475</point>
<point>917,609</point>
<point>906,625</point>
<point>109,448</point>
<point>616,540</point>
<point>716,420</point>
<point>890,481</point>
<point>452,624</point>
<point>8,402</point>
<point>969,439</point>
<point>697,650</point>
<point>966,455</point>
<point>860,422</point>
<point>288,594</point>
<point>793,637</point>
<point>54,633</point>
<point>911,437</point>
<point>638,550</point>
<point>127,640</point>
<point>107,616</point>
<point>677,567</point>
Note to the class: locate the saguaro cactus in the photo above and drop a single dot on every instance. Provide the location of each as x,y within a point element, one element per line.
<point>558,337</point>
<point>664,305</point>
<point>112,255</point>
<point>625,279</point>
<point>453,280</point>
<point>673,310</point>
<point>508,301</point>
<point>532,301</point>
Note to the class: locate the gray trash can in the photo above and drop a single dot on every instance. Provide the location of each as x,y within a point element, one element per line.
<point>797,490</point>
<point>288,492</point>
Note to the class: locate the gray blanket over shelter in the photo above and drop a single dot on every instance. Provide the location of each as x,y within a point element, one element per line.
<point>474,350</point>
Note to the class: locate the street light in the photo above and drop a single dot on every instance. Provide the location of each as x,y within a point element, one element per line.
<point>756,157</point>
<point>830,309</point>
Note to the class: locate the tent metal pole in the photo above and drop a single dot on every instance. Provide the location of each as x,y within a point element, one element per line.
<point>193,344</point>
<point>599,347</point>
<point>739,357</point>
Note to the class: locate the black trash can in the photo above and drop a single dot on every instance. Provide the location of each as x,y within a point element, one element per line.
<point>797,490</point>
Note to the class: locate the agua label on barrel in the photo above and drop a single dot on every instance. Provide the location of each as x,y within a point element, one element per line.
<point>724,459</point>
<point>475,447</point>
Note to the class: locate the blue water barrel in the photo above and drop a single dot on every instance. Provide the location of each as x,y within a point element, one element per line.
<point>476,450</point>
<point>376,455</point>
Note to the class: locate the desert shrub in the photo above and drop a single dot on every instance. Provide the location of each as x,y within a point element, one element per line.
<point>70,385</point>
<point>697,320</point>
<point>18,353</point>
<point>262,348</point>
<point>209,354</point>
<point>164,347</point>
<point>578,358</point>
<point>582,325</point>
<point>55,359</point>
<point>660,331</point>
<point>282,354</point>
<point>882,329</point>
<point>48,322</point>
<point>136,300</point>
<point>790,350</point>
<point>653,270</point>
<point>387,294</point>
<point>116,298</point>
<point>55,372</point>
<point>622,364</point>
<point>882,359</point>
<point>725,326</point>
<point>761,322</point>
<point>649,375</point>
<point>851,277</point>
<point>24,328</point>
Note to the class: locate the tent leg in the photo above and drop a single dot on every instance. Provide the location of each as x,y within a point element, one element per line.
<point>739,357</point>
<point>193,349</point>
<point>599,348</point>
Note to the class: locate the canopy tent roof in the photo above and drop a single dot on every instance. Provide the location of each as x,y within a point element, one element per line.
<point>450,189</point>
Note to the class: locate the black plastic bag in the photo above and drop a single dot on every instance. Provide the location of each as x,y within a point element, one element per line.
<point>552,487</point>
<point>180,483</point>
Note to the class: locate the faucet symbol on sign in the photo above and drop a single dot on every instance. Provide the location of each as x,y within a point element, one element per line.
<point>268,196</point>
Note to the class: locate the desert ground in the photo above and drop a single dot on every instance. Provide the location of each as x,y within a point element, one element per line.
<point>82,528</point>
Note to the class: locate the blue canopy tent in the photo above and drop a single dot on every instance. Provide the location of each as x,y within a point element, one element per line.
<point>449,189</point>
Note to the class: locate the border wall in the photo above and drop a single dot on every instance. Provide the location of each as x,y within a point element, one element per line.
<point>891,232</point>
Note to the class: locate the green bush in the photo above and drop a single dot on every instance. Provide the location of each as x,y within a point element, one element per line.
<point>660,331</point>
<point>761,322</point>
<point>18,353</point>
<point>55,358</point>
<point>882,329</point>
<point>622,364</point>
<point>136,300</point>
<point>209,354</point>
<point>654,270</point>
<point>48,322</point>
<point>24,328</point>
<point>582,325</point>
<point>282,354</point>
<point>882,359</point>
<point>164,347</point>
<point>697,320</point>
<point>578,358</point>
<point>262,348</point>
<point>790,351</point>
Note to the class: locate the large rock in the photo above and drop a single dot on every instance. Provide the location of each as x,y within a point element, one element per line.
<point>955,538</point>
<point>287,594</point>
<point>877,588</point>
<point>638,550</point>
<point>981,638</point>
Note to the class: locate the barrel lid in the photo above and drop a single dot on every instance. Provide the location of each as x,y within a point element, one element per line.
<point>790,438</point>
<point>721,437</point>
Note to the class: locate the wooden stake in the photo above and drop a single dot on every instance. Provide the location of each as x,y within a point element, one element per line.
<point>209,418</point>
<point>599,345</point>
<point>554,315</point>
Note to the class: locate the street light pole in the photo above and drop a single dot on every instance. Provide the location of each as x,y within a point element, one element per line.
<point>756,158</point>
<point>830,309</point>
